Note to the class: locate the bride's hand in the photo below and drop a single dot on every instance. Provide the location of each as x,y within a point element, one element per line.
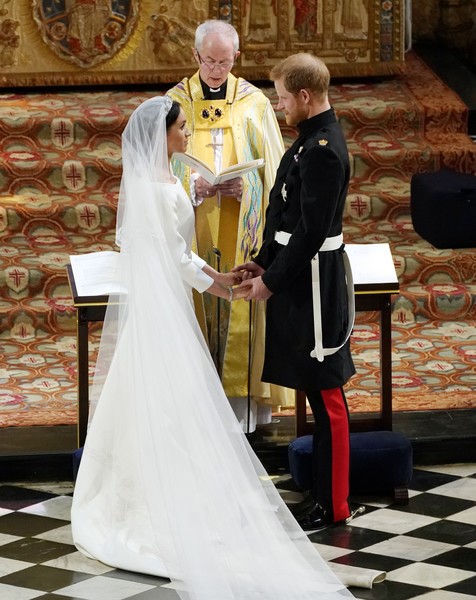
<point>229,279</point>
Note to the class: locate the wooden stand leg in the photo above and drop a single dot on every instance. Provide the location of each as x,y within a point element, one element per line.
<point>83,377</point>
<point>301,418</point>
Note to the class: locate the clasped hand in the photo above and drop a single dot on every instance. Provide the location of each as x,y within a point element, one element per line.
<point>251,286</point>
<point>232,187</point>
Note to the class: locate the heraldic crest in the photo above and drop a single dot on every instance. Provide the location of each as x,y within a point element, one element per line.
<point>85,32</point>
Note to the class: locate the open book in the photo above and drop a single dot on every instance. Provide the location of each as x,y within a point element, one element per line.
<point>95,273</point>
<point>215,178</point>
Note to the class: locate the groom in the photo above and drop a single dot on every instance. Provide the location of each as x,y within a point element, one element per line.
<point>300,271</point>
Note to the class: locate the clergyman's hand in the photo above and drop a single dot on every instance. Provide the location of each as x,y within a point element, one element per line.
<point>203,189</point>
<point>232,187</point>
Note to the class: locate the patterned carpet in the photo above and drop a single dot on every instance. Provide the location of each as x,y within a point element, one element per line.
<point>60,166</point>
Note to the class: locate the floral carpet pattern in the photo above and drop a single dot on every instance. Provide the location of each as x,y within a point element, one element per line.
<point>60,167</point>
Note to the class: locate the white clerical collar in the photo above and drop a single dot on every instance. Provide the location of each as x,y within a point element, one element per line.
<point>220,91</point>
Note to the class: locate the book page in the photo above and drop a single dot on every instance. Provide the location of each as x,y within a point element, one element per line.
<point>240,169</point>
<point>371,263</point>
<point>197,165</point>
<point>226,174</point>
<point>95,273</point>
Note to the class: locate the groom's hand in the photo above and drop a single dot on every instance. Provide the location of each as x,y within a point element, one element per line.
<point>257,290</point>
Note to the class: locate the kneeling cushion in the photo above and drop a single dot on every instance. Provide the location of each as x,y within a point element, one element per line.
<point>443,208</point>
<point>380,461</point>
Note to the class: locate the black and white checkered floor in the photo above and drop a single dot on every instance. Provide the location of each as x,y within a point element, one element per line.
<point>427,548</point>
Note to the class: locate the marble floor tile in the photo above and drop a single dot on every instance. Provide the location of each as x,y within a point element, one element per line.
<point>9,565</point>
<point>11,592</point>
<point>6,538</point>
<point>331,552</point>
<point>78,562</point>
<point>61,534</point>
<point>15,498</point>
<point>465,516</point>
<point>459,469</point>
<point>22,524</point>
<point>47,579</point>
<point>392,521</point>
<point>427,480</point>
<point>444,595</point>
<point>464,488</point>
<point>34,551</point>
<point>435,505</point>
<point>450,532</point>
<point>352,538</point>
<point>410,548</point>
<point>56,508</point>
<point>433,576</point>
<point>467,586</point>
<point>375,562</point>
<point>104,588</point>
<point>459,558</point>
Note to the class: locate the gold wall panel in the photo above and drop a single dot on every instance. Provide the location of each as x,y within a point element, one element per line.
<point>104,42</point>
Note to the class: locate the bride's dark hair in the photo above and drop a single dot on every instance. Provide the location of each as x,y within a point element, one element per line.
<point>172,115</point>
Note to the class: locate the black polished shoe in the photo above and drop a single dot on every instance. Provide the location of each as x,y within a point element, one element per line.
<point>315,519</point>
<point>299,509</point>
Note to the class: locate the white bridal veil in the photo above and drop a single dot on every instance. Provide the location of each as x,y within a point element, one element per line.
<point>168,484</point>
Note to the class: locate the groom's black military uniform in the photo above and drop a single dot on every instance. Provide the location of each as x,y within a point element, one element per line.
<point>306,206</point>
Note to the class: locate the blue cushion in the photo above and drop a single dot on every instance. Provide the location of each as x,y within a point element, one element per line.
<point>76,460</point>
<point>379,461</point>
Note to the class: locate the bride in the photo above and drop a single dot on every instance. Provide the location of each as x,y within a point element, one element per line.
<point>168,484</point>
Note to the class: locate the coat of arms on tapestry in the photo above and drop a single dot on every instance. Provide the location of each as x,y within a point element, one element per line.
<point>85,32</point>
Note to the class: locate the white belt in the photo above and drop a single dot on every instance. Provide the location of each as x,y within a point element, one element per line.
<point>330,243</point>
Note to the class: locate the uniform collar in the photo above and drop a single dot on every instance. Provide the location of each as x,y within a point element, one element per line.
<point>310,126</point>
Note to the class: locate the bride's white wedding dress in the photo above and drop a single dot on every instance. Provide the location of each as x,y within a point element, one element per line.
<point>168,484</point>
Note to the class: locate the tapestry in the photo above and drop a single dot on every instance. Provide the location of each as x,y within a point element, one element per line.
<point>105,42</point>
